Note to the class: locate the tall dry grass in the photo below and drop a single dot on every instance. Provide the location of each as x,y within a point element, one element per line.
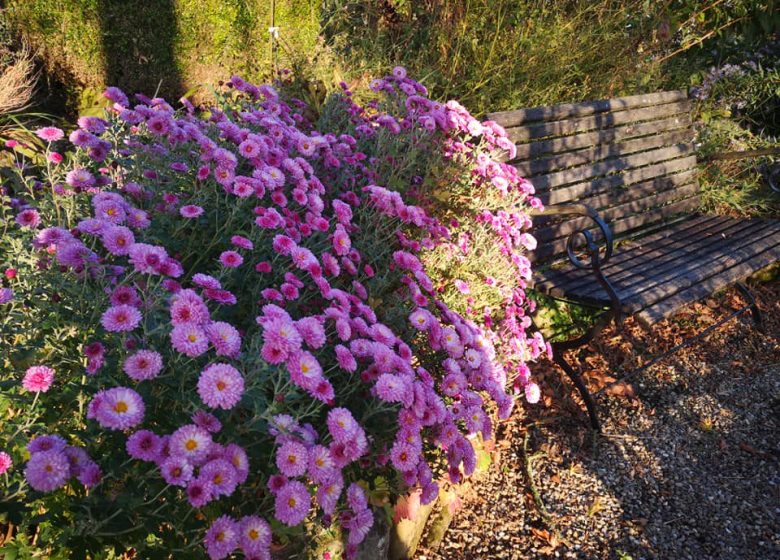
<point>17,81</point>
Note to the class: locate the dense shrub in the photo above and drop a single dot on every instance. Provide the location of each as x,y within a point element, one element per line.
<point>236,326</point>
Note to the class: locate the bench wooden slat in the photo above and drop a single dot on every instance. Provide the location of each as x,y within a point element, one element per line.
<point>633,208</point>
<point>618,195</point>
<point>566,110</point>
<point>597,121</point>
<point>664,284</point>
<point>553,248</point>
<point>611,165</point>
<point>540,148</point>
<point>576,191</point>
<point>602,152</point>
<point>667,307</point>
<point>732,233</point>
<point>561,280</point>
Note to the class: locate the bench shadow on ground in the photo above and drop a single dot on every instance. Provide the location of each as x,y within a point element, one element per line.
<point>688,468</point>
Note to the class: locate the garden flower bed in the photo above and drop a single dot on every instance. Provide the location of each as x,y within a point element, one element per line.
<point>233,328</point>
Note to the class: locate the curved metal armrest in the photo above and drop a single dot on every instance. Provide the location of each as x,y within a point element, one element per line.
<point>596,260</point>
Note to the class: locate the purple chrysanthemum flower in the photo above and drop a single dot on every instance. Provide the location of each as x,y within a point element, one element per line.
<point>222,538</point>
<point>117,240</point>
<point>47,470</point>
<point>120,318</point>
<point>47,442</point>
<point>191,442</point>
<point>292,458</point>
<point>189,307</point>
<point>207,421</point>
<point>90,475</point>
<point>143,365</point>
<point>6,295</point>
<point>144,445</point>
<point>176,471</point>
<point>80,178</point>
<point>292,503</point>
<point>222,476</point>
<point>220,386</point>
<point>118,408</point>
<point>125,295</point>
<point>320,466</point>
<point>225,338</point>
<point>199,492</point>
<point>38,379</point>
<point>147,259</point>
<point>255,536</point>
<point>78,458</point>
<point>237,457</point>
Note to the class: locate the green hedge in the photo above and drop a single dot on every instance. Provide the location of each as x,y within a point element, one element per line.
<point>140,44</point>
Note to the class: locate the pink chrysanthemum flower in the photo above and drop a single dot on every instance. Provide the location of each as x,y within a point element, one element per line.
<point>392,388</point>
<point>143,365</point>
<point>120,318</point>
<point>328,494</point>
<point>125,295</point>
<point>5,462</point>
<point>231,259</point>
<point>312,331</point>
<point>189,339</point>
<point>241,242</point>
<point>38,379</point>
<point>206,281</point>
<point>189,307</point>
<point>421,319</point>
<point>48,470</point>
<point>320,467</point>
<point>282,334</point>
<point>225,338</point>
<point>147,259</point>
<point>207,421</point>
<point>255,537</point>
<point>532,392</point>
<point>292,503</point>
<point>49,133</point>
<point>176,471</point>
<point>341,425</point>
<point>28,218</point>
<point>118,408</point>
<point>345,358</point>
<point>292,458</point>
<point>305,370</point>
<point>191,442</point>
<point>191,211</point>
<point>117,240</point>
<point>220,386</point>
<point>144,445</point>
<point>222,538</point>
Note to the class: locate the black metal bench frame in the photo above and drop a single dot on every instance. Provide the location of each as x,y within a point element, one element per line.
<point>636,136</point>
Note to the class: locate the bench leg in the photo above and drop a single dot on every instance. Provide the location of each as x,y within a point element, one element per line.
<point>758,319</point>
<point>558,357</point>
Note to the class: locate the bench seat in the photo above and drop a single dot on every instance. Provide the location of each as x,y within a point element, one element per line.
<point>657,274</point>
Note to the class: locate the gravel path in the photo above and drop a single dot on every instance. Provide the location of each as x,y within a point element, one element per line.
<point>688,469</point>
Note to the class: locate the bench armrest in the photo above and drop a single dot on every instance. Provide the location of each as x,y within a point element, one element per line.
<point>596,260</point>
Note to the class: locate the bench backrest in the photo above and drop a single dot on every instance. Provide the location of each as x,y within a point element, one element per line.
<point>630,158</point>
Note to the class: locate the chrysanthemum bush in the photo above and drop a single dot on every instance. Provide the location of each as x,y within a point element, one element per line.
<point>227,329</point>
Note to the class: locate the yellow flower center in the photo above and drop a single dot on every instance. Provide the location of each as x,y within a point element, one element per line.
<point>191,445</point>
<point>221,385</point>
<point>291,502</point>
<point>192,337</point>
<point>253,534</point>
<point>120,407</point>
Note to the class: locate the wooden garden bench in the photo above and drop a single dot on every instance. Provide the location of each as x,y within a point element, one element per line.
<point>621,228</point>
